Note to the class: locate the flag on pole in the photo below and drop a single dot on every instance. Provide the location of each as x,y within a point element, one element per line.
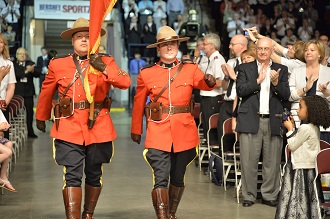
<point>99,10</point>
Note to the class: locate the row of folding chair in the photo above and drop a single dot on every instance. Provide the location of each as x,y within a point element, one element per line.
<point>207,148</point>
<point>17,120</point>
<point>322,166</point>
<point>202,147</point>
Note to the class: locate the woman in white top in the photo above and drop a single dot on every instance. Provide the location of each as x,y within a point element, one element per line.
<point>311,79</point>
<point>7,87</point>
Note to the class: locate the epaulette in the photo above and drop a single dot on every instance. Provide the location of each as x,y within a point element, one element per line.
<point>62,56</point>
<point>148,66</point>
<point>187,61</point>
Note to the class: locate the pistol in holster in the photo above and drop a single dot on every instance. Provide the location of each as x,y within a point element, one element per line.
<point>106,103</point>
<point>57,115</point>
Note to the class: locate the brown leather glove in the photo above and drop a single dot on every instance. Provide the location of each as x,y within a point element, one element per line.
<point>97,62</point>
<point>136,138</point>
<point>3,105</point>
<point>209,80</point>
<point>41,125</point>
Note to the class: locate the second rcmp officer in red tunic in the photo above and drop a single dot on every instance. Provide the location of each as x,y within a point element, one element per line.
<point>75,142</point>
<point>172,136</point>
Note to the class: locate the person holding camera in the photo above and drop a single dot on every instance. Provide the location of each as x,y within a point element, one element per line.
<point>298,196</point>
<point>263,86</point>
<point>83,142</point>
<point>172,135</point>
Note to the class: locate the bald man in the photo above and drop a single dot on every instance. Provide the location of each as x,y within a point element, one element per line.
<point>263,86</point>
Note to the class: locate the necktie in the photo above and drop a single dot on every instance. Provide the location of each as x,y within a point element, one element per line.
<point>200,59</point>
<point>231,81</point>
<point>138,67</point>
<point>208,63</point>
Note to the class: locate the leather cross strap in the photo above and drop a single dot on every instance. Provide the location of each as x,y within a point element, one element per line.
<point>76,76</point>
<point>168,84</point>
<point>176,109</point>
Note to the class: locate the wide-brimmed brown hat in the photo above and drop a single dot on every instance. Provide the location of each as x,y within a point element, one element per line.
<point>81,24</point>
<point>167,34</point>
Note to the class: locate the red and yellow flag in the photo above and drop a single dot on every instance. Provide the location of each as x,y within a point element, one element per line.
<point>99,10</point>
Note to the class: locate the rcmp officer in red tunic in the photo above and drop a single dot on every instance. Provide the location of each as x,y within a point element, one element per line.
<point>76,142</point>
<point>172,135</point>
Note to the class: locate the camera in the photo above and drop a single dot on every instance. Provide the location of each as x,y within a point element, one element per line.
<point>192,29</point>
<point>246,33</point>
<point>286,113</point>
<point>284,116</point>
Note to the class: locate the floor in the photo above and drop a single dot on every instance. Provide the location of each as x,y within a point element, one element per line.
<point>126,189</point>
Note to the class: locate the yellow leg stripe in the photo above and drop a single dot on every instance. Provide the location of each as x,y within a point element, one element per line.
<point>64,181</point>
<point>101,180</point>
<point>113,151</point>
<point>54,151</point>
<point>145,158</point>
<point>184,177</point>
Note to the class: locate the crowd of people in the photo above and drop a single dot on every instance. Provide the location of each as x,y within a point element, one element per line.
<point>272,63</point>
<point>254,93</point>
<point>10,22</point>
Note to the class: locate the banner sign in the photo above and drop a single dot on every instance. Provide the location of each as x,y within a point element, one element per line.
<point>62,10</point>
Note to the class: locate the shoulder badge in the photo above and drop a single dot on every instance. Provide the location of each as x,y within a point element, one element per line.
<point>215,57</point>
<point>62,56</point>
<point>148,66</point>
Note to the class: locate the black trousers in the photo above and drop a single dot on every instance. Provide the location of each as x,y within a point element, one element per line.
<point>73,157</point>
<point>209,106</point>
<point>28,103</point>
<point>169,165</point>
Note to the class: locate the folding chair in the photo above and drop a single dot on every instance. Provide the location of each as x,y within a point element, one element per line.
<point>324,145</point>
<point>228,142</point>
<point>322,166</point>
<point>212,143</point>
<point>202,147</point>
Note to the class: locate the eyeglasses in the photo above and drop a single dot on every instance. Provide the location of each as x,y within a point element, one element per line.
<point>204,44</point>
<point>233,44</point>
<point>21,53</point>
<point>266,49</point>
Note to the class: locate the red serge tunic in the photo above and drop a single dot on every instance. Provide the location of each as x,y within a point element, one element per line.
<point>177,129</point>
<point>74,129</point>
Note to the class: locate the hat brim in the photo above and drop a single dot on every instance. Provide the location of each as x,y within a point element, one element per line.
<point>67,34</point>
<point>170,40</point>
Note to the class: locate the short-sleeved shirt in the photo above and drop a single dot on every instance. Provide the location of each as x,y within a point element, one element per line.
<point>10,78</point>
<point>214,68</point>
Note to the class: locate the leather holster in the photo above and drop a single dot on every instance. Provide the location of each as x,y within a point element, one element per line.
<point>57,115</point>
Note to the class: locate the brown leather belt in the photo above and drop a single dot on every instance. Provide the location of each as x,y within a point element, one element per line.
<point>176,109</point>
<point>85,105</point>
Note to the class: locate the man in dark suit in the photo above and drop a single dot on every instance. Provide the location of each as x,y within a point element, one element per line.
<point>42,65</point>
<point>25,72</point>
<point>262,85</point>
